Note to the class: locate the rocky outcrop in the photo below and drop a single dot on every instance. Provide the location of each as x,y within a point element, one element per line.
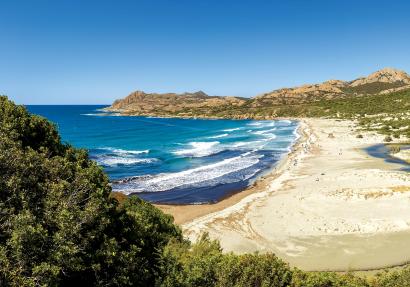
<point>306,93</point>
<point>140,103</point>
<point>386,75</point>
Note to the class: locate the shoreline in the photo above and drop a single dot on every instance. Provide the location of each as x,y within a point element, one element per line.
<point>305,216</point>
<point>184,213</point>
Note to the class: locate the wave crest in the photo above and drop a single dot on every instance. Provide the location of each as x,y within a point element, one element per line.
<point>193,177</point>
<point>199,149</point>
<point>112,161</point>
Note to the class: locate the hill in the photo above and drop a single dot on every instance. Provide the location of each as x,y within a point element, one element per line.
<point>141,103</point>
<point>268,105</point>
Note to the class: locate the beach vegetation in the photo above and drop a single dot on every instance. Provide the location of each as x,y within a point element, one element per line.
<point>388,139</point>
<point>394,148</point>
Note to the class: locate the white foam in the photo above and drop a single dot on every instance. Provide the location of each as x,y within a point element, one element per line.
<point>219,136</point>
<point>269,136</point>
<point>94,115</point>
<point>115,161</point>
<point>255,124</point>
<point>231,130</point>
<point>286,121</point>
<point>239,144</point>
<point>254,145</point>
<point>193,177</point>
<point>123,151</point>
<point>199,149</point>
<point>296,134</point>
<point>262,124</point>
<point>262,132</point>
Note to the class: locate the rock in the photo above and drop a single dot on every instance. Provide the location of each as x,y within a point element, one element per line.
<point>386,75</point>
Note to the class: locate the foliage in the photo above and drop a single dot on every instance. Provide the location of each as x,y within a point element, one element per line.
<point>58,224</point>
<point>388,139</point>
<point>393,279</point>
<point>204,264</point>
<point>373,88</point>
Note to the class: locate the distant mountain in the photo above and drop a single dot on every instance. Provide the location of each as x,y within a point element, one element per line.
<point>383,81</point>
<point>199,104</point>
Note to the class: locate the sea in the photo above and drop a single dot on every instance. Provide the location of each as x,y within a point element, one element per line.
<point>173,160</point>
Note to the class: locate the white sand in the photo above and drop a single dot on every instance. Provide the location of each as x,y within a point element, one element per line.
<point>329,190</point>
<point>403,154</point>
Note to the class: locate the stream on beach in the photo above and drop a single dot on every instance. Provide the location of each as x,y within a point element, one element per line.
<point>384,152</point>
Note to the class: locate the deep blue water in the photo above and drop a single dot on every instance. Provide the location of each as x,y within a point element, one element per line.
<point>175,161</point>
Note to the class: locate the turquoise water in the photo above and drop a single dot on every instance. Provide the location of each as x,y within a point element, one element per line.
<point>175,161</point>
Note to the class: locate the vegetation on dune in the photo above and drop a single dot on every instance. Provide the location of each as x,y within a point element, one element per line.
<point>60,225</point>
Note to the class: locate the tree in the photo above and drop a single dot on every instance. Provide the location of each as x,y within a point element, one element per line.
<point>58,224</point>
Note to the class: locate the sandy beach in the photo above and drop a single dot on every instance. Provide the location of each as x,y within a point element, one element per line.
<point>403,155</point>
<point>327,206</point>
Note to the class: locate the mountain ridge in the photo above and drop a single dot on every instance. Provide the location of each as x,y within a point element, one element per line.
<point>384,81</point>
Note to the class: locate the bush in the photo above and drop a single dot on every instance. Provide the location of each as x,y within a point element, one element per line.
<point>388,139</point>
<point>393,279</point>
<point>326,279</point>
<point>58,224</point>
<point>394,148</point>
<point>396,135</point>
<point>253,270</point>
<point>194,265</point>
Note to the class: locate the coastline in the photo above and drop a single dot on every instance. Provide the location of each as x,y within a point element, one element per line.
<point>124,113</point>
<point>303,210</point>
<point>186,213</point>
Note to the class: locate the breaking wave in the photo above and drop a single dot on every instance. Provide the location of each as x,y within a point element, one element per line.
<point>111,161</point>
<point>218,136</point>
<point>194,177</point>
<point>199,149</point>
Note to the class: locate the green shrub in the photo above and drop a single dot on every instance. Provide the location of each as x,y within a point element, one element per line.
<point>58,224</point>
<point>388,139</point>
<point>394,148</point>
<point>253,270</point>
<point>393,279</point>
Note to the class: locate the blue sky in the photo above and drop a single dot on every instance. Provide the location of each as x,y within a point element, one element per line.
<point>92,52</point>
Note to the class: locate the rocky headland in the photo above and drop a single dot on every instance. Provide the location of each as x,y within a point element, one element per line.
<point>199,104</point>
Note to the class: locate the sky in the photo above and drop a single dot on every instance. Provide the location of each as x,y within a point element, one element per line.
<point>92,52</point>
